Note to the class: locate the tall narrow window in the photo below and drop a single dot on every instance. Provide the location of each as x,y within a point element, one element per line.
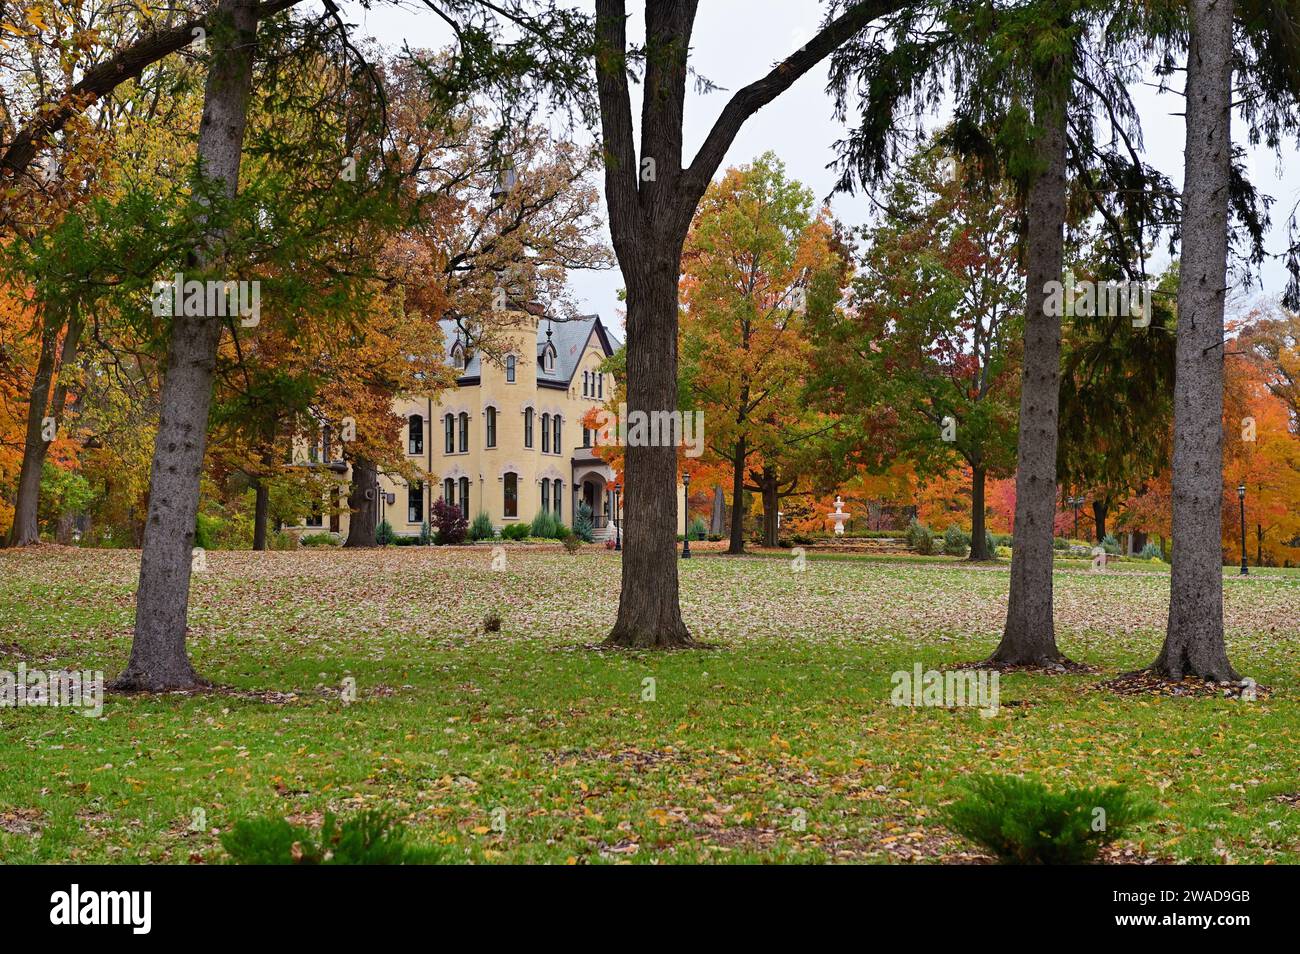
<point>415,502</point>
<point>464,497</point>
<point>556,444</point>
<point>415,434</point>
<point>600,385</point>
<point>586,385</point>
<point>449,434</point>
<point>528,427</point>
<point>464,432</point>
<point>546,433</point>
<point>511,502</point>
<point>546,493</point>
<point>510,369</point>
<point>491,440</point>
<point>449,490</point>
<point>557,507</point>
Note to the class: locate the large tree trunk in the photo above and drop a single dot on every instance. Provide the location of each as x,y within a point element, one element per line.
<point>979,549</point>
<point>651,202</point>
<point>26,529</point>
<point>363,502</point>
<point>648,611</point>
<point>261,508</point>
<point>1099,511</point>
<point>737,538</point>
<point>158,658</point>
<point>1029,637</point>
<point>1194,644</point>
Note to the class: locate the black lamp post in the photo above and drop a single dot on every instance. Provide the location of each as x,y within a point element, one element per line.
<point>1241,497</point>
<point>618,528</point>
<point>686,516</point>
<point>1075,502</point>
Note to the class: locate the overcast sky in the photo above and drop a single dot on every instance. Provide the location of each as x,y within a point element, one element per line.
<point>736,41</point>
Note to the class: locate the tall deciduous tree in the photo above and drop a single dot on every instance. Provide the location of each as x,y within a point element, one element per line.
<point>748,269</point>
<point>930,348</point>
<point>158,657</point>
<point>652,198</point>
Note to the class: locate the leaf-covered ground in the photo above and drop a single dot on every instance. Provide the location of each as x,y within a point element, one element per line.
<point>779,743</point>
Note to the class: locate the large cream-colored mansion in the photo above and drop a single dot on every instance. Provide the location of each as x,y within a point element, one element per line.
<point>508,440</point>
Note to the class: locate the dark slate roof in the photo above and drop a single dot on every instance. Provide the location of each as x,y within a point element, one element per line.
<point>568,337</point>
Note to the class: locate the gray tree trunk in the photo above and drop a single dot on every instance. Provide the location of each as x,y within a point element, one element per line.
<point>1029,637</point>
<point>158,659</point>
<point>1194,644</point>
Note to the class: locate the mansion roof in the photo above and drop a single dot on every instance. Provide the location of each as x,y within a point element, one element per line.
<point>568,336</point>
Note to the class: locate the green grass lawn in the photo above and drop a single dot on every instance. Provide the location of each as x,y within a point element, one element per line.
<point>779,743</point>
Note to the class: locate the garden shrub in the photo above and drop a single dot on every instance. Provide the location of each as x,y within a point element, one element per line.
<point>426,534</point>
<point>448,523</point>
<point>582,522</point>
<point>1151,552</point>
<point>481,528</point>
<point>699,528</point>
<point>1022,822</point>
<point>919,537</point>
<point>545,526</point>
<point>572,543</point>
<point>323,539</point>
<point>384,534</point>
<point>370,838</point>
<point>516,531</point>
<point>956,541</point>
<point>1111,545</point>
<point>1060,543</point>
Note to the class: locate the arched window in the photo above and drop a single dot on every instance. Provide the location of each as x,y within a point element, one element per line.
<point>510,369</point>
<point>511,502</point>
<point>586,383</point>
<point>415,502</point>
<point>546,433</point>
<point>557,507</point>
<point>491,439</point>
<point>556,444</point>
<point>528,427</point>
<point>546,493</point>
<point>449,490</point>
<point>464,432</point>
<point>548,359</point>
<point>464,497</point>
<point>415,434</point>
<point>458,356</point>
<point>449,434</point>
